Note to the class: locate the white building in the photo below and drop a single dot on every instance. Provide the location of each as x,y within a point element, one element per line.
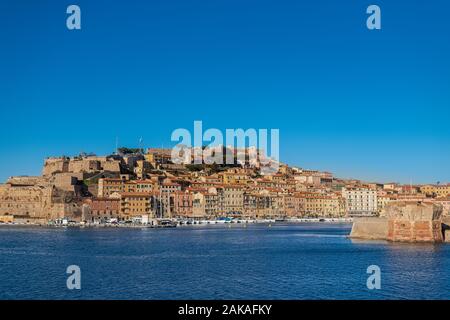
<point>360,201</point>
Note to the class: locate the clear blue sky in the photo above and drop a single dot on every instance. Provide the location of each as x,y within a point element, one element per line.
<point>366,104</point>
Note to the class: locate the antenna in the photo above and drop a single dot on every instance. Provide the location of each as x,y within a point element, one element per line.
<point>117,145</point>
<point>141,140</point>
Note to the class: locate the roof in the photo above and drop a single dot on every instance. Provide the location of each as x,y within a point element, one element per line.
<point>135,194</point>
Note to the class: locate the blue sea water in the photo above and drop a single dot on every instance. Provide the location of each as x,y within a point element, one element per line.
<point>295,261</point>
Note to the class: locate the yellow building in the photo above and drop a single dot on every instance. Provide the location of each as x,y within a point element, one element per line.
<point>135,204</point>
<point>382,200</point>
<point>108,186</point>
<point>436,190</point>
<point>234,178</point>
<point>322,205</point>
<point>157,156</point>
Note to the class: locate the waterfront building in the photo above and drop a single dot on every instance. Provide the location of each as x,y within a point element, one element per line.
<point>103,209</point>
<point>176,191</point>
<point>183,204</point>
<point>360,201</point>
<point>206,202</point>
<point>257,204</point>
<point>289,204</point>
<point>315,204</point>
<point>232,197</point>
<point>135,204</point>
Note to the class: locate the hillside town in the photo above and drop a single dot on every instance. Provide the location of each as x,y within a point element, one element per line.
<point>139,187</point>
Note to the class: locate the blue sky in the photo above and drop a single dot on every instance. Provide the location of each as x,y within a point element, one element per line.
<point>373,105</point>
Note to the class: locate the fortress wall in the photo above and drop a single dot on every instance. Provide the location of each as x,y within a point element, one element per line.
<point>53,165</point>
<point>23,201</point>
<point>414,221</point>
<point>110,165</point>
<point>78,165</point>
<point>369,228</point>
<point>405,221</point>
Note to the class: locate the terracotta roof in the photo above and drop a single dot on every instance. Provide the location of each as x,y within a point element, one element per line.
<point>136,194</point>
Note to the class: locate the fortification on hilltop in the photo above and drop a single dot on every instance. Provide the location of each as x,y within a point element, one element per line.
<point>87,164</point>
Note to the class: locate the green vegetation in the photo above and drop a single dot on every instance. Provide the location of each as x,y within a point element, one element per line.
<point>125,150</point>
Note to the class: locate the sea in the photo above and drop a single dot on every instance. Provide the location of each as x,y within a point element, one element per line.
<point>227,261</point>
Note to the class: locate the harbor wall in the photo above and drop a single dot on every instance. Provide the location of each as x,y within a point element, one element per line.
<point>405,221</point>
<point>369,228</point>
<point>414,221</point>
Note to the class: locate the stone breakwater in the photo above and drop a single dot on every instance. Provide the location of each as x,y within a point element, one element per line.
<point>405,221</point>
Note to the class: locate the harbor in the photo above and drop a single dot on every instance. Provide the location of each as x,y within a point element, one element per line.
<point>217,261</point>
<point>172,223</point>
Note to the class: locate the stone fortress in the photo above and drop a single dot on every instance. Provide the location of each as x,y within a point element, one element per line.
<point>55,194</point>
<point>405,221</point>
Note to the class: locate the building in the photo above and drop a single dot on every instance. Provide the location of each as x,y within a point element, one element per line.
<point>170,187</point>
<point>158,156</point>
<point>183,204</point>
<point>309,177</point>
<point>232,199</point>
<point>289,204</point>
<point>135,204</point>
<point>390,186</point>
<point>107,186</point>
<point>360,201</point>
<point>103,209</point>
<point>257,204</point>
<point>383,200</point>
<point>205,203</point>
<point>438,191</point>
<point>315,204</point>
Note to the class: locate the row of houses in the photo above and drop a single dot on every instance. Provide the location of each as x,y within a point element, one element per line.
<point>237,193</point>
<point>169,201</point>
